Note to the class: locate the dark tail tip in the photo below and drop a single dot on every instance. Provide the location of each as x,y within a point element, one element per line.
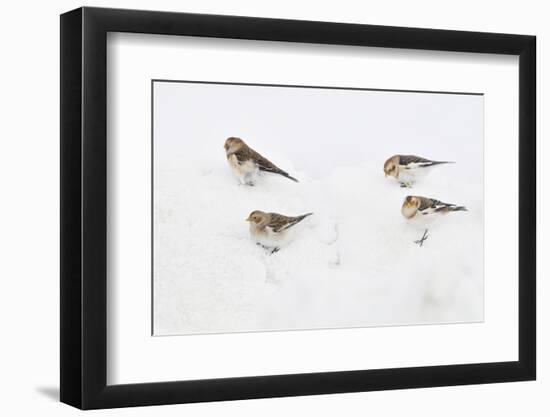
<point>291,178</point>
<point>303,216</point>
<point>460,208</point>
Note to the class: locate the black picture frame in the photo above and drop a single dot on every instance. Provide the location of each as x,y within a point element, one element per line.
<point>84,208</point>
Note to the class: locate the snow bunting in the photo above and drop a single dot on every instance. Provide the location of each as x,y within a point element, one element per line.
<point>271,229</point>
<point>246,163</point>
<point>406,169</point>
<point>416,205</point>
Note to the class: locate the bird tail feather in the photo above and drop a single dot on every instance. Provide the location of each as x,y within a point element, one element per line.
<point>302,217</point>
<point>442,162</point>
<point>278,171</point>
<point>289,177</point>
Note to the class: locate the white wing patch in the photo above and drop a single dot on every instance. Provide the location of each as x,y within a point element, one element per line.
<point>439,208</point>
<point>416,165</point>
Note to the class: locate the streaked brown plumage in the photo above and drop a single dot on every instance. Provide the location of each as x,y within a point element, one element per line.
<point>406,169</point>
<point>414,205</point>
<point>246,162</point>
<point>269,229</point>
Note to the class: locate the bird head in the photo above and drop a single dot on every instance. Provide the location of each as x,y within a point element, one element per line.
<point>258,218</point>
<point>410,206</point>
<point>391,167</point>
<point>411,201</point>
<point>232,144</point>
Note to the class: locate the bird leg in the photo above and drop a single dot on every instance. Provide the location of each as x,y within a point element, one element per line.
<point>422,239</point>
<point>407,184</point>
<point>274,250</point>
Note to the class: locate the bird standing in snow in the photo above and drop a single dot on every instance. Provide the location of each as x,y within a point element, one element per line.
<point>406,169</point>
<point>423,206</point>
<point>271,229</point>
<point>425,210</point>
<point>246,163</point>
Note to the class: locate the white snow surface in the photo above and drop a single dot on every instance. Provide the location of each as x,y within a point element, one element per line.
<point>353,263</point>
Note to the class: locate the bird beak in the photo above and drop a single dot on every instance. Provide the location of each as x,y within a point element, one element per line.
<point>385,174</point>
<point>247,220</point>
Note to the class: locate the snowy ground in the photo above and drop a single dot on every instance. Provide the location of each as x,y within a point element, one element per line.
<point>353,263</point>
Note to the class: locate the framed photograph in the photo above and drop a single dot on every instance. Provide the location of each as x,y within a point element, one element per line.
<point>256,208</point>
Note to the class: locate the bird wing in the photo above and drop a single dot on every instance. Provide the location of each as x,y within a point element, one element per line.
<point>279,222</point>
<point>245,154</point>
<point>430,206</point>
<point>413,161</point>
<point>265,164</point>
<point>446,207</point>
<point>242,155</point>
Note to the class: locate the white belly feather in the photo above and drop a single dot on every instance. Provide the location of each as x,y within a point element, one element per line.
<point>268,238</point>
<point>414,173</point>
<point>243,171</point>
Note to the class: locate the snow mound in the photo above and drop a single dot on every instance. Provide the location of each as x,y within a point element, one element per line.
<point>353,263</point>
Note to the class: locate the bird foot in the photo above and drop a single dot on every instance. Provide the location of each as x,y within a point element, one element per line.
<point>420,241</point>
<point>268,249</point>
